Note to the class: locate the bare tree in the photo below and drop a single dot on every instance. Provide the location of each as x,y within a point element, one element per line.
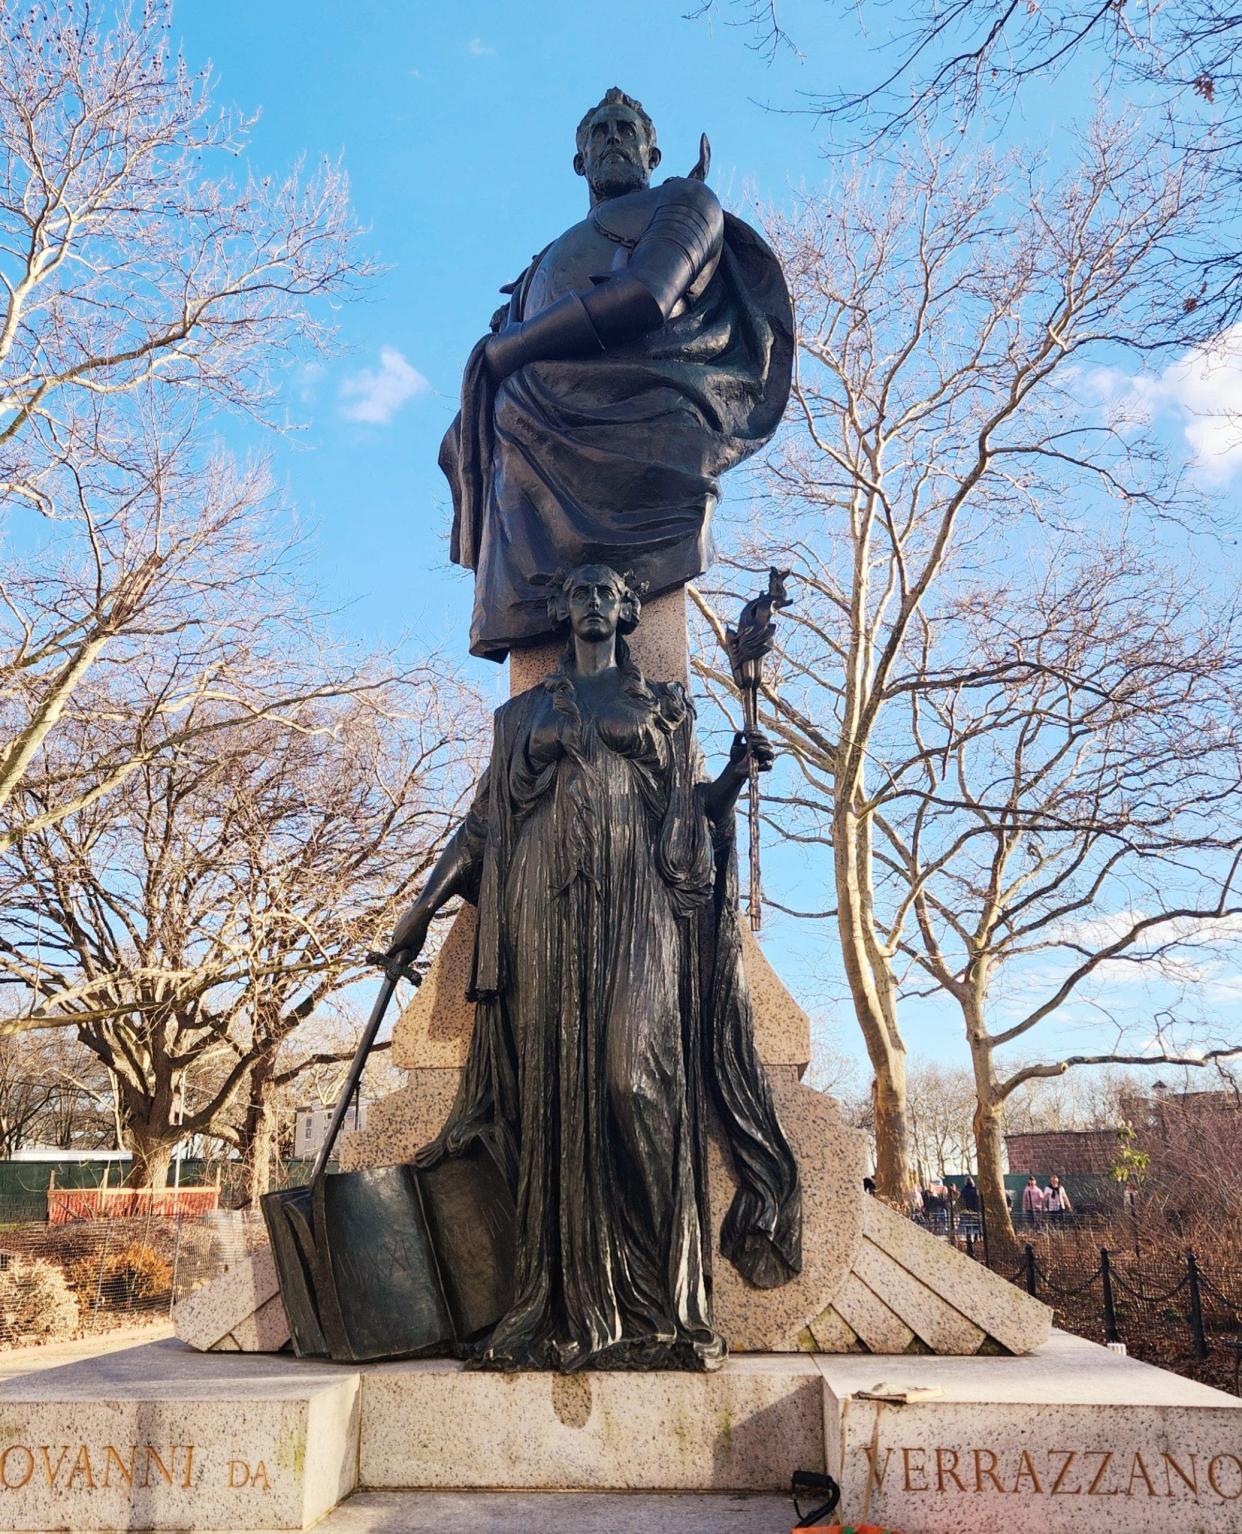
<point>128,254</point>
<point>1070,812</point>
<point>187,925</point>
<point>941,1104</point>
<point>141,291</point>
<point>52,1091</point>
<point>940,312</point>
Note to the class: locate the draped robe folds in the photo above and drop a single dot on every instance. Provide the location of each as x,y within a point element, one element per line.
<point>615,459</point>
<point>610,1007</point>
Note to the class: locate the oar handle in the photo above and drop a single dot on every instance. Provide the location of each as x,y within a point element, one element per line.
<point>392,972</point>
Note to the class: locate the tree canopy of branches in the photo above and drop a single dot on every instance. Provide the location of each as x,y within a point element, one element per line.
<point>940,313</point>
<point>224,893</point>
<point>1070,810</point>
<point>142,291</point>
<point>941,66</point>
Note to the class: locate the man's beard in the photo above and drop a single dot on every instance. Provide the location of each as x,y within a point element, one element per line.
<point>616,177</point>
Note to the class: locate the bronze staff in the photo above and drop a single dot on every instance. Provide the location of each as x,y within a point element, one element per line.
<point>747,644</point>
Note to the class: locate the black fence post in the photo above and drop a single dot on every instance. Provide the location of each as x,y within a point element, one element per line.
<point>1196,1307</point>
<point>1031,1272</point>
<point>1111,1334</point>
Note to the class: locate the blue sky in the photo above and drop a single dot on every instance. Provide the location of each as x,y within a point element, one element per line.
<point>456,123</point>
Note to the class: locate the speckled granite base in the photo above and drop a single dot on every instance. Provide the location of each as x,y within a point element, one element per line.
<point>402,1121</point>
<point>1071,1440</point>
<point>163,1437</point>
<point>433,1423</point>
<point>831,1159</point>
<point>1065,1440</point>
<point>434,1029</point>
<point>239,1312</point>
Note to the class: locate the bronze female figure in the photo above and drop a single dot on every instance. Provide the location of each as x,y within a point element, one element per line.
<point>611,1009</point>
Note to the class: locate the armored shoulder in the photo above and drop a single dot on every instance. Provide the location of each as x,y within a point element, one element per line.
<point>690,192</point>
<point>689,214</point>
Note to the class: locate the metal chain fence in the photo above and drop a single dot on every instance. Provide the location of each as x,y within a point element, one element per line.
<point>1168,1308</point>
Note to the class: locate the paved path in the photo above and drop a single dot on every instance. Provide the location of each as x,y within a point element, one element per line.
<point>16,1361</point>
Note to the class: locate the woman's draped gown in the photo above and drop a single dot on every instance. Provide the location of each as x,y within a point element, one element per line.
<point>588,1052</point>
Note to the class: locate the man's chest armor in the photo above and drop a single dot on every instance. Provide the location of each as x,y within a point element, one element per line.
<point>601,243</point>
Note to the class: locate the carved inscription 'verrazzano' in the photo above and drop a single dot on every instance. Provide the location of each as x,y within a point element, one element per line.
<point>1160,1474</point>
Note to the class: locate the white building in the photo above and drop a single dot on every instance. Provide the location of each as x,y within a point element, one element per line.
<point>310,1126</point>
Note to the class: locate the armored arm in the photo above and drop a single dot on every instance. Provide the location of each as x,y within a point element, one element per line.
<point>681,243</point>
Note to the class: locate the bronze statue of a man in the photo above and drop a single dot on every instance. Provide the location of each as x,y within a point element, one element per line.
<point>641,354</point>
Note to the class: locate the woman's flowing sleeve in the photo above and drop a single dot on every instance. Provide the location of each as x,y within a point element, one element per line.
<point>473,834</point>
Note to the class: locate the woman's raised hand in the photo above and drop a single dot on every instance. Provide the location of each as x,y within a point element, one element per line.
<point>748,744</point>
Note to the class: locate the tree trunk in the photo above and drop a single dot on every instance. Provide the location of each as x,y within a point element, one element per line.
<point>259,1133</point>
<point>989,1126</point>
<point>871,988</point>
<point>145,1119</point>
<point>149,1168</point>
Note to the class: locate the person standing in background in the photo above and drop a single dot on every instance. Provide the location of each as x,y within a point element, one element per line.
<point>1032,1200</point>
<point>1056,1199</point>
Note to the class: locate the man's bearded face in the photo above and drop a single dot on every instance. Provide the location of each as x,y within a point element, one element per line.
<point>618,156</point>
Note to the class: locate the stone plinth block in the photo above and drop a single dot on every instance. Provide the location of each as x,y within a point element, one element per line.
<point>240,1311</point>
<point>434,1029</point>
<point>938,1276</point>
<point>163,1437</point>
<point>433,1423</point>
<point>402,1121</point>
<point>782,1028</point>
<point>830,1158</point>
<point>1068,1440</point>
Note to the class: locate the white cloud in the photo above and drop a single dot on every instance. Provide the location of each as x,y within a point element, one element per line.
<point>478,49</point>
<point>375,395</point>
<point>307,380</point>
<point>1201,391</point>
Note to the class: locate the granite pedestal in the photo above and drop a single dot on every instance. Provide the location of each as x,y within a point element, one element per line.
<point>1067,1438</point>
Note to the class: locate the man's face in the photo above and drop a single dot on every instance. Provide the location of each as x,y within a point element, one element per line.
<point>618,156</point>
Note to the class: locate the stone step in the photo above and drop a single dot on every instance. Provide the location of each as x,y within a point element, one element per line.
<point>432,1423</point>
<point>559,1512</point>
<point>1069,1439</point>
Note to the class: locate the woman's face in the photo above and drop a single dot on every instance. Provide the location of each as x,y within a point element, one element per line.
<point>594,598</point>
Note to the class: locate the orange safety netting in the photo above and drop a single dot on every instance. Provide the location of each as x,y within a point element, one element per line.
<point>67,1205</point>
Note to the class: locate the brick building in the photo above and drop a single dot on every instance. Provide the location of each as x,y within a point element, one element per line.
<point>1068,1152</point>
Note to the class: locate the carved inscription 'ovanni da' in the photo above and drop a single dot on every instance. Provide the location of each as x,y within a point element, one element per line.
<point>105,1467</point>
<point>78,1467</point>
<point>1056,1472</point>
